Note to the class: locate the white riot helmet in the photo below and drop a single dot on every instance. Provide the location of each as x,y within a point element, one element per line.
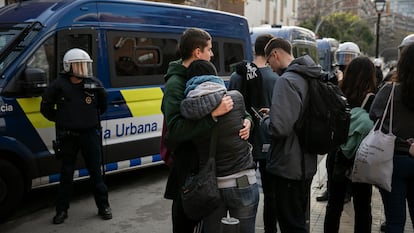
<point>78,62</point>
<point>346,52</point>
<point>406,41</point>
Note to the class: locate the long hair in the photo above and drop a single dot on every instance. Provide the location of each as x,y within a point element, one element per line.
<point>359,80</point>
<point>405,75</point>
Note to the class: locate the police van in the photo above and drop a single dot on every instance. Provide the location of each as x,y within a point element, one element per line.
<point>326,52</point>
<point>302,39</point>
<point>131,43</point>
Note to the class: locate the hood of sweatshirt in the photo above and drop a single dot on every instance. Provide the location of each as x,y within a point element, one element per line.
<point>175,68</point>
<point>305,66</point>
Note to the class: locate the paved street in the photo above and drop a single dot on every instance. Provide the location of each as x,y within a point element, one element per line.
<point>138,206</point>
<point>347,220</point>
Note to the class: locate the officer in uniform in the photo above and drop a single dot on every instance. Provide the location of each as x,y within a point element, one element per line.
<point>74,101</point>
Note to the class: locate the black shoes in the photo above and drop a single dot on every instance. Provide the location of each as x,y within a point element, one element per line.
<point>60,217</point>
<point>105,213</point>
<point>383,226</point>
<point>323,197</point>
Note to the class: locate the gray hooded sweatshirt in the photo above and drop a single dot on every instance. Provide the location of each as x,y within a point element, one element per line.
<point>289,96</point>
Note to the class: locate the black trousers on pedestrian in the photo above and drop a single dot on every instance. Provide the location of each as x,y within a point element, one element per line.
<point>181,223</point>
<point>362,206</point>
<point>292,204</point>
<point>89,144</point>
<point>269,202</point>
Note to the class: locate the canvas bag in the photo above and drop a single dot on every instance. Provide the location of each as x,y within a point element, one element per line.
<point>374,158</point>
<point>200,195</point>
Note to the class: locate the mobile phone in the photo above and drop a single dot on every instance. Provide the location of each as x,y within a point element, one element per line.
<point>257,113</point>
<point>242,181</point>
<point>410,141</point>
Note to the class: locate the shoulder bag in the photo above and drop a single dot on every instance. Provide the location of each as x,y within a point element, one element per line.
<point>200,195</point>
<point>374,158</point>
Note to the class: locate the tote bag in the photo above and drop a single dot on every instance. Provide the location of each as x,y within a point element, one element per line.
<point>374,158</point>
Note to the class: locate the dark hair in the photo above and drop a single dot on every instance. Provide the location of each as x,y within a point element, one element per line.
<point>359,80</point>
<point>276,43</point>
<point>201,67</point>
<point>405,75</point>
<point>260,44</point>
<point>191,39</point>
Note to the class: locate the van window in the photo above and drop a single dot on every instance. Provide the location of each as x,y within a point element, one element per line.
<point>137,57</point>
<point>233,53</point>
<point>227,52</point>
<point>43,63</point>
<point>44,58</point>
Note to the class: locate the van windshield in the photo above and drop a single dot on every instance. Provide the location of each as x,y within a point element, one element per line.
<point>14,38</point>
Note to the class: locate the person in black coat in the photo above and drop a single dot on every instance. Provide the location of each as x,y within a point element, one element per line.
<point>74,101</point>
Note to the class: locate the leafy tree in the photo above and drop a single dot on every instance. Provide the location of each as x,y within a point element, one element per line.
<point>342,26</point>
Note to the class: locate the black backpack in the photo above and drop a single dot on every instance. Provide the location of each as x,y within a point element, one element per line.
<point>324,125</point>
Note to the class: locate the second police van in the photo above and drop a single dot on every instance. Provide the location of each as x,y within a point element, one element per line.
<point>131,44</point>
<point>302,39</point>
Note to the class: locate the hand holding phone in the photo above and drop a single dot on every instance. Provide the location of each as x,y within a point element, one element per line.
<point>257,114</point>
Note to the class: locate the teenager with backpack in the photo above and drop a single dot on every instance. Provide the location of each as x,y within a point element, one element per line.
<point>255,81</point>
<point>291,168</point>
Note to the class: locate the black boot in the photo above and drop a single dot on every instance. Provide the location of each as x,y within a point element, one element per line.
<point>60,217</point>
<point>323,197</point>
<point>105,213</point>
<point>383,226</point>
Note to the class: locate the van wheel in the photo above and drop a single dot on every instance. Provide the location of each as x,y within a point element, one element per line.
<point>11,188</point>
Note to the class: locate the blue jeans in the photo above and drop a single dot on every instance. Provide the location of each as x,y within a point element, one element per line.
<point>241,203</point>
<point>395,201</point>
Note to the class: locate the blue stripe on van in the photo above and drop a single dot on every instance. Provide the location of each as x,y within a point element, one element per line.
<point>111,167</point>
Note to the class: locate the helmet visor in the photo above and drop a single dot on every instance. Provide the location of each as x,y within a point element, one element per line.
<point>345,58</point>
<point>82,69</point>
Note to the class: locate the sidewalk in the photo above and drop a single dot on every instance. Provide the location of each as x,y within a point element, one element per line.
<point>318,208</point>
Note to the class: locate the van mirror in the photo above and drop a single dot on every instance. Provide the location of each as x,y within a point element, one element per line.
<point>34,81</point>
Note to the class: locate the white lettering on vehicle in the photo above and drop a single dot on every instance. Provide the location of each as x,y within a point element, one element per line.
<point>128,129</point>
<point>6,108</point>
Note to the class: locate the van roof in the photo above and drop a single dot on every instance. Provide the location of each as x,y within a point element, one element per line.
<point>47,11</point>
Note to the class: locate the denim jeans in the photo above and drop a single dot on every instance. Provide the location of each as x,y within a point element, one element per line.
<point>241,203</point>
<point>395,201</point>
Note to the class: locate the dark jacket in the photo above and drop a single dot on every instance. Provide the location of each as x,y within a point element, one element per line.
<point>403,124</point>
<point>180,131</point>
<point>72,106</point>
<point>256,85</point>
<point>233,154</point>
<point>289,95</point>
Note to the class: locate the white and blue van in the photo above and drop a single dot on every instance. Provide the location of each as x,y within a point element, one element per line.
<point>131,43</point>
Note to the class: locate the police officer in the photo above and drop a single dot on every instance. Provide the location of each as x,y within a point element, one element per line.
<point>74,102</point>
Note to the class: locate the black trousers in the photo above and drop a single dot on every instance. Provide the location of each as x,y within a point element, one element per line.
<point>269,202</point>
<point>181,223</point>
<point>89,143</point>
<point>362,206</point>
<point>292,204</point>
